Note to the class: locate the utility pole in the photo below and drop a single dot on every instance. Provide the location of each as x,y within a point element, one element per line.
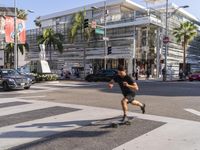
<point>105,35</point>
<point>166,44</point>
<point>15,37</point>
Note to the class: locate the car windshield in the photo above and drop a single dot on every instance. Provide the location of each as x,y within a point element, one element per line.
<point>9,73</point>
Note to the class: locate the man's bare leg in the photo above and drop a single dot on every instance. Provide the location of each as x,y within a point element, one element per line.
<point>124,103</point>
<point>137,103</point>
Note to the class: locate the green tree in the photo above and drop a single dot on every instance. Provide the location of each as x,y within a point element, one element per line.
<point>9,50</point>
<point>78,25</point>
<point>37,22</point>
<point>50,38</point>
<point>184,34</point>
<point>21,14</point>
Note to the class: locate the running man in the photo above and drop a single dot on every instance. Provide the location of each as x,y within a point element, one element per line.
<point>128,88</point>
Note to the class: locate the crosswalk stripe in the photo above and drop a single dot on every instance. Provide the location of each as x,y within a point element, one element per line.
<point>193,111</point>
<point>20,109</point>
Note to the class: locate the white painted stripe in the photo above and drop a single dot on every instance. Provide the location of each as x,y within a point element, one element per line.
<point>42,96</point>
<point>23,108</point>
<point>193,111</point>
<point>179,136</point>
<point>6,100</point>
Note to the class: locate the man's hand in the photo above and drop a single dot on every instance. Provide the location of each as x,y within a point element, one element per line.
<point>110,85</point>
<point>125,84</point>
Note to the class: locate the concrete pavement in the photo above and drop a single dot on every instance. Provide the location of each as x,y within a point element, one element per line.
<point>160,132</point>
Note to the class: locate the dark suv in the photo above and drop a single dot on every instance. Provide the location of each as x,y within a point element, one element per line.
<point>102,75</point>
<point>11,79</point>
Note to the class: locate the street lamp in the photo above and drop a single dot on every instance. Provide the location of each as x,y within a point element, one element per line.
<point>166,35</point>
<point>15,36</point>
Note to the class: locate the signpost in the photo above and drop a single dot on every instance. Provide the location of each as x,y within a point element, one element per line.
<point>166,40</point>
<point>99,31</point>
<point>105,38</point>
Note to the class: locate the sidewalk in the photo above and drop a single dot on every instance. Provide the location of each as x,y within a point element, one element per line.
<point>159,79</point>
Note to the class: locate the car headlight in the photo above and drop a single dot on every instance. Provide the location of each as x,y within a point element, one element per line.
<point>29,79</point>
<point>11,80</point>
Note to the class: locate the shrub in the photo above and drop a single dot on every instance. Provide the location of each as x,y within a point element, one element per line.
<point>46,77</point>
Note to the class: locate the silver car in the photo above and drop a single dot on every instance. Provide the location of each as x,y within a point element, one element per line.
<point>11,79</point>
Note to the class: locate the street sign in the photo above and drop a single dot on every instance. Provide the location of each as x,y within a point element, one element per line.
<point>99,31</point>
<point>166,40</point>
<point>105,38</point>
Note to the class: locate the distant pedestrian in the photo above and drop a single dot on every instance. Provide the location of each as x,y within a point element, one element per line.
<point>137,73</point>
<point>148,72</point>
<point>128,88</point>
<point>181,74</point>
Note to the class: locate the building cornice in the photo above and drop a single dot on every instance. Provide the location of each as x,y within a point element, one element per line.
<point>127,3</point>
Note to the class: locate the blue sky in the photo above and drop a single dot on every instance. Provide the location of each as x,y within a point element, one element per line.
<point>43,7</point>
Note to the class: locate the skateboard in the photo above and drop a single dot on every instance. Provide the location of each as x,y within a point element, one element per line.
<point>118,123</point>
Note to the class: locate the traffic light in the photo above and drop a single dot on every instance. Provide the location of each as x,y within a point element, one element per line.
<point>86,23</point>
<point>109,50</point>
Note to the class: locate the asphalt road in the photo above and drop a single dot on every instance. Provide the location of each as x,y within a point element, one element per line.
<point>178,100</point>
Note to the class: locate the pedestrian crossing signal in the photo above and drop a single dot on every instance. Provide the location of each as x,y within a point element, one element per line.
<point>86,23</point>
<point>109,50</point>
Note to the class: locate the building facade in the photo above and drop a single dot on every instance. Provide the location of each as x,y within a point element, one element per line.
<point>6,52</point>
<point>132,32</point>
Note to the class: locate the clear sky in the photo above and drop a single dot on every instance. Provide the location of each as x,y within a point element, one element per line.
<point>44,7</point>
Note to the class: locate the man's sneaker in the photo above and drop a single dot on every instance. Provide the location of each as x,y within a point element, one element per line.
<point>125,118</point>
<point>143,108</point>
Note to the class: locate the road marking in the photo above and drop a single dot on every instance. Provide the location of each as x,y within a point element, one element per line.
<point>193,111</point>
<point>42,96</point>
<point>175,134</point>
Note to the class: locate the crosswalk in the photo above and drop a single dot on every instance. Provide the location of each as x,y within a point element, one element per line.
<point>48,87</point>
<point>31,120</point>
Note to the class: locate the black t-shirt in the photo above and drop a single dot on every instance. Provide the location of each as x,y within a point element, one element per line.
<point>125,90</point>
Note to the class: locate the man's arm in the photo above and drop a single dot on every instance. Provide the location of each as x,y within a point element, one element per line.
<point>133,86</point>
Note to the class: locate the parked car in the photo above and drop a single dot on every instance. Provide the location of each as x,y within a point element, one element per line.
<point>12,79</point>
<point>29,75</point>
<point>102,75</point>
<point>194,76</point>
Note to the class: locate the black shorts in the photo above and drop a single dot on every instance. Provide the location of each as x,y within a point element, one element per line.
<point>130,98</point>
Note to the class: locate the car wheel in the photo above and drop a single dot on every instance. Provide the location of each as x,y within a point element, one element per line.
<point>5,86</point>
<point>28,87</point>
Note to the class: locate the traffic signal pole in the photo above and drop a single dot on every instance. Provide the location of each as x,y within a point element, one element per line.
<point>105,35</point>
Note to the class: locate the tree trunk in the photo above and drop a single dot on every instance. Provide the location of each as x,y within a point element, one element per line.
<point>184,56</point>
<point>50,58</point>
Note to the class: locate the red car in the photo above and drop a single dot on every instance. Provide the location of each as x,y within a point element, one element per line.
<point>194,76</point>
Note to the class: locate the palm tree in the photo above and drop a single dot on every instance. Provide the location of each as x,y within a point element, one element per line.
<point>9,49</point>
<point>50,38</point>
<point>78,25</point>
<point>21,14</point>
<point>185,34</point>
<point>37,22</point>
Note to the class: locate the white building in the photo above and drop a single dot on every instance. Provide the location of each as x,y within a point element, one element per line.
<point>135,36</point>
